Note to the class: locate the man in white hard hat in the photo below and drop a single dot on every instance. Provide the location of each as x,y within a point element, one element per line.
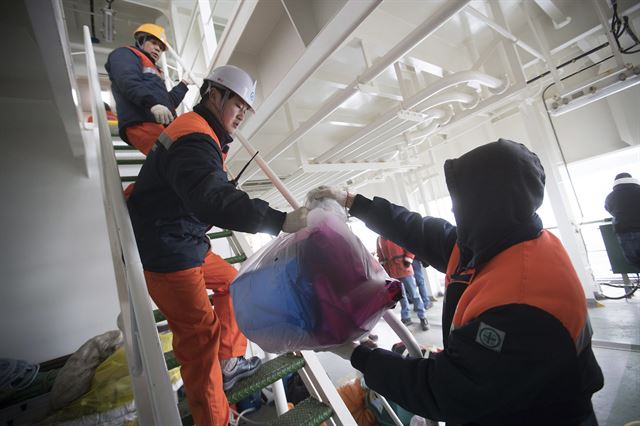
<point>182,191</point>
<point>143,103</point>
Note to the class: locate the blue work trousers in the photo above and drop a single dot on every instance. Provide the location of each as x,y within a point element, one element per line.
<point>423,289</point>
<point>410,291</point>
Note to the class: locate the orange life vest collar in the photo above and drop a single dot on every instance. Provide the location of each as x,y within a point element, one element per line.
<point>536,272</point>
<point>147,64</point>
<point>187,123</point>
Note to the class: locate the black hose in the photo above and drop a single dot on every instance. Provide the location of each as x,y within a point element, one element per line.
<point>627,294</point>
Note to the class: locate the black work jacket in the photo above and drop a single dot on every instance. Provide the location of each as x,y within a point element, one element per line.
<point>183,190</point>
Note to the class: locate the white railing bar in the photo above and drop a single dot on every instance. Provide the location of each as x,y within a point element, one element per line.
<point>154,396</point>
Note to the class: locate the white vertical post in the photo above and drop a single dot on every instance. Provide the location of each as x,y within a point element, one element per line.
<point>210,42</point>
<point>569,228</point>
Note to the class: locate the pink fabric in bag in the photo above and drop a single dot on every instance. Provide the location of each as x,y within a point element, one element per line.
<point>351,287</point>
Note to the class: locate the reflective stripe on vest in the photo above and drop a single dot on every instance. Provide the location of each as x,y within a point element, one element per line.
<point>190,122</point>
<point>147,64</point>
<point>537,273</point>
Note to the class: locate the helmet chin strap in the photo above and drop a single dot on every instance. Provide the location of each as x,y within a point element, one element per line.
<point>141,40</point>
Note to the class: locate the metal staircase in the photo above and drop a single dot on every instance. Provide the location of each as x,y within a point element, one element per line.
<point>310,412</point>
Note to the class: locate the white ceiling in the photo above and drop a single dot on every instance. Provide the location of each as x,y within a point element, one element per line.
<point>276,40</point>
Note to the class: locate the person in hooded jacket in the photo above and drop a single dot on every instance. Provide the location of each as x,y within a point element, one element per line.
<point>624,205</point>
<point>143,103</point>
<point>515,328</point>
<point>182,191</point>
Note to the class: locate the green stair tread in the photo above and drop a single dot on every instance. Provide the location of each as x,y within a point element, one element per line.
<point>124,148</point>
<point>309,412</point>
<point>235,259</point>
<point>128,178</point>
<point>129,161</point>
<point>220,234</point>
<point>270,372</point>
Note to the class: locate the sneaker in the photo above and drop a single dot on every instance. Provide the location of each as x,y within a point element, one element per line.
<point>238,368</point>
<point>424,324</point>
<point>407,321</point>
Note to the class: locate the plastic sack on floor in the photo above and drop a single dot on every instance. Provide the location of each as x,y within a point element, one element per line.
<point>316,288</point>
<point>109,400</point>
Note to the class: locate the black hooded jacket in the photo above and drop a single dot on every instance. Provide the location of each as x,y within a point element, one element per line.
<point>542,372</point>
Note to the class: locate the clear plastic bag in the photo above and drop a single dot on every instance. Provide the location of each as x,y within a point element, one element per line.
<point>313,289</point>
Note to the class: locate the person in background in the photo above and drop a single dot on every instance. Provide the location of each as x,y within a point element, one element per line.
<point>110,114</point>
<point>623,203</point>
<point>182,191</point>
<point>515,327</point>
<point>143,103</point>
<point>397,262</point>
<point>421,283</point>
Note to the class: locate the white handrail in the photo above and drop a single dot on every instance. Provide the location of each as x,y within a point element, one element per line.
<point>154,397</point>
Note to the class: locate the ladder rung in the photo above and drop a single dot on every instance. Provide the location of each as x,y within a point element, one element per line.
<point>221,234</point>
<point>309,412</point>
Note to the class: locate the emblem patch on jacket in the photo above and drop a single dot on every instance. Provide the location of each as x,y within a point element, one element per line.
<point>490,337</point>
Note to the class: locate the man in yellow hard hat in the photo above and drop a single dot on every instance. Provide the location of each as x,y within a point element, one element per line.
<point>143,103</point>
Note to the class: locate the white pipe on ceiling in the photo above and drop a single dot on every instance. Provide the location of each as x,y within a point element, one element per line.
<point>495,85</point>
<point>428,27</point>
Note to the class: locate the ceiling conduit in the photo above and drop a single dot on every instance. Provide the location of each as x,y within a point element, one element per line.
<point>424,30</point>
<point>389,125</point>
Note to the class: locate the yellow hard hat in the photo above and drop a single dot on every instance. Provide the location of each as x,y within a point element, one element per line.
<point>155,30</point>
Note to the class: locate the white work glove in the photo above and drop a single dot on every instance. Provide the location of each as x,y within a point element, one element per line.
<point>340,195</point>
<point>162,114</point>
<point>296,220</point>
<point>344,350</point>
<point>187,80</point>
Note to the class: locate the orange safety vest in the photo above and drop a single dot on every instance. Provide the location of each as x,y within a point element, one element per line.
<point>187,123</point>
<point>536,272</point>
<point>147,64</point>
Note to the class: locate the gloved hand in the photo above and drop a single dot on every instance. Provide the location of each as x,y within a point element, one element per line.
<point>340,195</point>
<point>187,80</point>
<point>344,351</point>
<point>296,220</point>
<point>162,114</point>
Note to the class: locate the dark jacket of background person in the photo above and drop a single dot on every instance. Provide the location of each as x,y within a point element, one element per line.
<point>517,339</point>
<point>624,205</point>
<point>138,86</point>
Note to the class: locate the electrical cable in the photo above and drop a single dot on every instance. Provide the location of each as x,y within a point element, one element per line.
<point>621,26</point>
<point>570,61</point>
<point>247,411</point>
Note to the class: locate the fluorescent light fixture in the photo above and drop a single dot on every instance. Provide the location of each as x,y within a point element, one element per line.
<point>346,124</point>
<point>580,99</point>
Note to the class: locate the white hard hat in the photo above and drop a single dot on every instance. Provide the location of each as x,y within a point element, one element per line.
<point>236,80</point>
